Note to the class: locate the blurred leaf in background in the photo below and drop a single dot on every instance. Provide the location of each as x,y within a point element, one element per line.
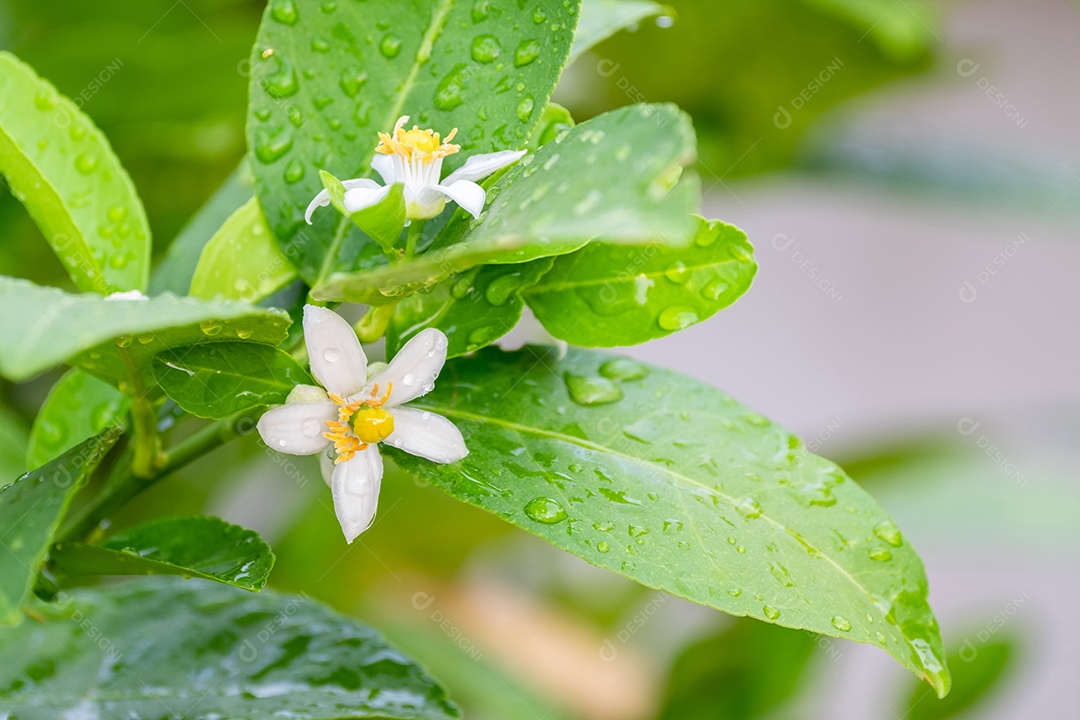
<point>978,668</point>
<point>756,74</point>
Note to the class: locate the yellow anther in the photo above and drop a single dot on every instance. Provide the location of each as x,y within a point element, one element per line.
<point>423,144</point>
<point>373,424</point>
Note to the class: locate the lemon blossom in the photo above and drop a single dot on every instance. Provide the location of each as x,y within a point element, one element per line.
<point>414,158</point>
<point>347,418</point>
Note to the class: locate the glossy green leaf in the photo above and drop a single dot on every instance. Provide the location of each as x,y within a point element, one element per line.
<point>555,121</point>
<point>600,19</point>
<point>747,671</point>
<point>242,261</point>
<point>676,485</point>
<point>473,309</point>
<point>382,222</point>
<point>79,406</point>
<point>326,78</point>
<point>14,437</point>
<point>31,509</point>
<point>192,649</point>
<point>204,547</point>
<point>979,668</point>
<point>175,271</point>
<point>62,169</point>
<point>610,295</point>
<point>614,178</point>
<point>116,339</point>
<point>216,381</point>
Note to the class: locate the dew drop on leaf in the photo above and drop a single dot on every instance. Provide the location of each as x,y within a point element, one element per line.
<point>86,163</point>
<point>770,612</point>
<point>210,327</point>
<point>880,554</point>
<point>592,390</point>
<point>526,52</point>
<point>623,369</point>
<point>545,510</point>
<point>486,49</point>
<point>294,171</point>
<point>841,623</point>
<point>888,532</point>
<point>677,317</point>
<point>677,273</point>
<point>603,547</point>
<point>390,46</point>
<point>284,12</point>
<point>525,108</point>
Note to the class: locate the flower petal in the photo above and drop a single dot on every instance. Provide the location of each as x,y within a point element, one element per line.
<point>426,204</point>
<point>358,199</point>
<point>355,487</point>
<point>465,193</point>
<point>414,369</point>
<point>478,167</point>
<point>337,360</point>
<point>384,165</point>
<point>427,435</point>
<point>323,198</point>
<point>307,394</point>
<point>297,428</point>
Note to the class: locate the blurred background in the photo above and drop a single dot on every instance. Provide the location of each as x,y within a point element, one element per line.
<point>908,173</point>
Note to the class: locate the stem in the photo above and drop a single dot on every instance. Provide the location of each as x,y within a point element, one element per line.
<point>416,229</point>
<point>374,323</point>
<point>123,484</point>
<point>147,445</point>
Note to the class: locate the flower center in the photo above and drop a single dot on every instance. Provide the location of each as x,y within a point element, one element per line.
<point>416,144</point>
<point>360,423</point>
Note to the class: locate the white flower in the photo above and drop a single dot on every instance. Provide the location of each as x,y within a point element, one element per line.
<point>346,421</point>
<point>414,158</point>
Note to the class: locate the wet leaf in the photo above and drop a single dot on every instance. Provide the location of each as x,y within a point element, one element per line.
<point>611,295</point>
<point>60,166</point>
<point>204,547</point>
<point>216,381</point>
<point>78,407</point>
<point>31,509</point>
<point>174,648</point>
<point>676,485</point>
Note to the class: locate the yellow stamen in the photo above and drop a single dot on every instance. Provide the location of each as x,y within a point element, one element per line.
<point>373,424</point>
<point>416,143</point>
<point>359,423</point>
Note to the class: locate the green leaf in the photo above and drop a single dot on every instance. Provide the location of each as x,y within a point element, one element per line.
<point>242,261</point>
<point>31,509</point>
<point>116,339</point>
<point>174,648</point>
<point>608,179</point>
<point>382,222</point>
<point>78,407</point>
<point>555,121</point>
<point>62,169</point>
<point>676,485</point>
<point>175,271</point>
<point>745,672</point>
<point>445,63</point>
<point>600,19</point>
<point>14,438</point>
<point>204,547</point>
<point>473,309</point>
<point>978,670</point>
<point>216,381</point>
<point>610,295</point>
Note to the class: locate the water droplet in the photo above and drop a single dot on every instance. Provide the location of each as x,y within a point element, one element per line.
<point>390,46</point>
<point>501,288</point>
<point>587,203</point>
<point>352,79</point>
<point>117,213</point>
<point>284,11</point>
<point>320,46</point>
<point>592,390</point>
<point>294,171</point>
<point>486,49</point>
<point>526,52</point>
<point>749,508</point>
<point>525,108</point>
<point>715,290</point>
<point>545,510</point>
<point>124,341</point>
<point>331,355</point>
<point>602,546</point>
<point>623,152</point>
<point>880,554</point>
<point>888,532</point>
<point>623,369</point>
<point>86,163</point>
<point>677,317</point>
<point>244,333</point>
<point>483,335</point>
<point>677,273</point>
<point>272,145</point>
<point>841,623</point>
<point>76,132</point>
<point>448,92</point>
<point>770,612</point>
<point>461,288</point>
<point>282,82</point>
<point>880,637</point>
<point>210,327</point>
<point>480,10</point>
<point>409,379</point>
<point>781,574</point>
<point>665,21</point>
<point>311,427</point>
<point>735,592</point>
<point>45,99</point>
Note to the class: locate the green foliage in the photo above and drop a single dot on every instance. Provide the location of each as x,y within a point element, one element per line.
<point>473,309</point>
<point>609,295</point>
<point>61,167</point>
<point>31,509</point>
<point>675,485</point>
<point>324,82</point>
<point>978,671</point>
<point>14,438</point>
<point>78,407</point>
<point>747,671</point>
<point>207,650</point>
<point>612,179</point>
<point>216,381</point>
<point>116,339</point>
<point>203,547</point>
<point>241,261</point>
<point>600,19</point>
